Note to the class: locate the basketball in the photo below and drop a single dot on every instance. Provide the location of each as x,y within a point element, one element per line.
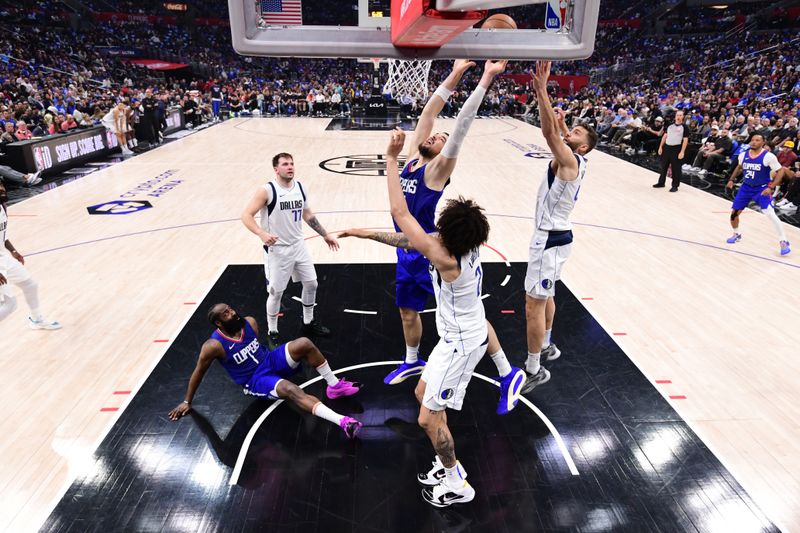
<point>499,21</point>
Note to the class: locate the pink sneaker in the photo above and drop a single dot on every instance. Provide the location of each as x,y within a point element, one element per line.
<point>343,388</point>
<point>350,426</point>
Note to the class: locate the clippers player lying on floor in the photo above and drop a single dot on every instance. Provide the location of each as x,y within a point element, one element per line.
<point>263,372</point>
<point>460,321</point>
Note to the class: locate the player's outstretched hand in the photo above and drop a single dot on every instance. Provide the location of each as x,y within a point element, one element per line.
<point>331,241</point>
<point>561,116</point>
<point>396,143</point>
<point>495,67</point>
<point>354,232</point>
<point>462,65</point>
<point>180,411</point>
<point>541,75</point>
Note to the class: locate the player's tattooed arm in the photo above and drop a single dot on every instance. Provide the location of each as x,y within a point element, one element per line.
<point>398,240</point>
<point>316,226</point>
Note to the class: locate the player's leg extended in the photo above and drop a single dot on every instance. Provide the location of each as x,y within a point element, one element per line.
<point>412,333</point>
<point>453,487</point>
<point>305,272</point>
<point>303,349</point>
<point>289,391</point>
<point>511,378</point>
<point>19,276</point>
<point>535,321</point>
<point>769,212</point>
<point>550,351</point>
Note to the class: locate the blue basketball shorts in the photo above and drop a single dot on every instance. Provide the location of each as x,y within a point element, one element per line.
<point>414,285</point>
<point>747,194</point>
<point>276,366</point>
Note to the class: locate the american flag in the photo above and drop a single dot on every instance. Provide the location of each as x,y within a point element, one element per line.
<point>282,11</point>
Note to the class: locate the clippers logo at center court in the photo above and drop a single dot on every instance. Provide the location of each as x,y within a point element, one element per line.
<point>360,165</point>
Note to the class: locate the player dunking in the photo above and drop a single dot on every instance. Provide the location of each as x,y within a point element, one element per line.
<point>283,206</point>
<point>551,242</point>
<point>264,373</point>
<point>12,270</point>
<point>760,167</point>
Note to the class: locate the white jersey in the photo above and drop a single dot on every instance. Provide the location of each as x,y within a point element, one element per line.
<point>460,317</point>
<point>556,199</point>
<point>283,214</point>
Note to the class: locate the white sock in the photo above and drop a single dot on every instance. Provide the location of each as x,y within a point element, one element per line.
<point>308,296</point>
<point>776,222</point>
<point>326,413</point>
<point>412,353</point>
<point>453,477</point>
<point>532,364</point>
<point>327,374</point>
<point>273,308</point>
<point>547,340</point>
<point>501,362</point>
<point>30,290</point>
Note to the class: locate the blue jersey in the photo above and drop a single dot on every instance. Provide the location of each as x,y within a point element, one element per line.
<point>420,199</point>
<point>756,171</point>
<point>242,357</point>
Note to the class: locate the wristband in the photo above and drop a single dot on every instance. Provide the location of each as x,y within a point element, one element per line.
<point>187,402</point>
<point>443,92</point>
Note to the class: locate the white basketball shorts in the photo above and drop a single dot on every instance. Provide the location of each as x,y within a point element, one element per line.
<point>282,263</point>
<point>544,266</point>
<point>447,374</point>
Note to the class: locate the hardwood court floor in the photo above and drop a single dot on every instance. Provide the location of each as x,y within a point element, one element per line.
<point>717,322</point>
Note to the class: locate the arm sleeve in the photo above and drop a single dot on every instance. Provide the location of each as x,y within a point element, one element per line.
<point>463,122</point>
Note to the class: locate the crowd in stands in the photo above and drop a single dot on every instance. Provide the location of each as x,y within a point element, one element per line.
<point>729,86</point>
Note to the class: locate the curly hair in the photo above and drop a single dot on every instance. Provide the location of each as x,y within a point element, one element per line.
<point>462,226</point>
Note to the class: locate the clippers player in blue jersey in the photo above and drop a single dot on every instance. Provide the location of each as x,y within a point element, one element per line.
<point>762,175</point>
<point>431,161</point>
<point>551,243</point>
<point>262,372</point>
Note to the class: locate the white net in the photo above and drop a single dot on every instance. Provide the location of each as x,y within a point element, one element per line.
<point>408,78</point>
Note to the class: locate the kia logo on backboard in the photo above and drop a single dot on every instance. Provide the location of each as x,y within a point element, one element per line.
<point>119,207</point>
<point>360,165</point>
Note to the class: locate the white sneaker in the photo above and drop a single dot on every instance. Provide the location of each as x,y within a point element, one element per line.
<point>34,179</point>
<point>436,474</point>
<point>539,378</point>
<point>788,206</point>
<point>702,172</point>
<point>43,323</point>
<point>686,166</point>
<point>442,495</point>
<point>782,203</point>
<point>126,151</point>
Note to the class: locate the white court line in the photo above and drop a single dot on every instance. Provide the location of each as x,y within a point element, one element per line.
<point>237,469</point>
<point>296,299</point>
<point>360,312</point>
<point>485,296</point>
<point>428,311</point>
<point>505,280</point>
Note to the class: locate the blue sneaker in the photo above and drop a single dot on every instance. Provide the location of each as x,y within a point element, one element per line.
<point>404,371</point>
<point>785,248</point>
<point>736,237</point>
<point>510,387</point>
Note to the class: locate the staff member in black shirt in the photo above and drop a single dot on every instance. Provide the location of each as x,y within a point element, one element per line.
<point>672,151</point>
<point>149,121</point>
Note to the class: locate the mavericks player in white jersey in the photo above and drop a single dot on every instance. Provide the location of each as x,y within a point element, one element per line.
<point>283,206</point>
<point>460,321</point>
<point>12,270</point>
<point>551,242</point>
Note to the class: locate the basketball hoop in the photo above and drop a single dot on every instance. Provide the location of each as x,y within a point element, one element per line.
<point>408,78</point>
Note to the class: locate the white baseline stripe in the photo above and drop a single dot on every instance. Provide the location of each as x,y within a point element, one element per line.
<point>505,280</point>
<point>237,468</point>
<point>360,312</point>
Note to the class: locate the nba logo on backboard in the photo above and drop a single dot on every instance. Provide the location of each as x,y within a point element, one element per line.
<point>555,15</point>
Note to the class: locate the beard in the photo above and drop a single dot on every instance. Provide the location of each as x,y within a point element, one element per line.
<point>426,152</point>
<point>234,325</point>
<point>574,144</point>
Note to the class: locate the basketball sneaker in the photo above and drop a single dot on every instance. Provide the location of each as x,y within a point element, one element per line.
<point>436,474</point>
<point>551,353</point>
<point>43,323</point>
<point>736,237</point>
<point>34,179</point>
<point>442,495</point>
<point>785,248</point>
<point>510,387</point>
<point>350,426</point>
<point>315,329</point>
<point>540,378</point>
<point>273,340</point>
<point>404,371</point>
<point>342,389</point>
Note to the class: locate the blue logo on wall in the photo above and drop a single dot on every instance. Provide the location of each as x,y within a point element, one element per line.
<point>119,207</point>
